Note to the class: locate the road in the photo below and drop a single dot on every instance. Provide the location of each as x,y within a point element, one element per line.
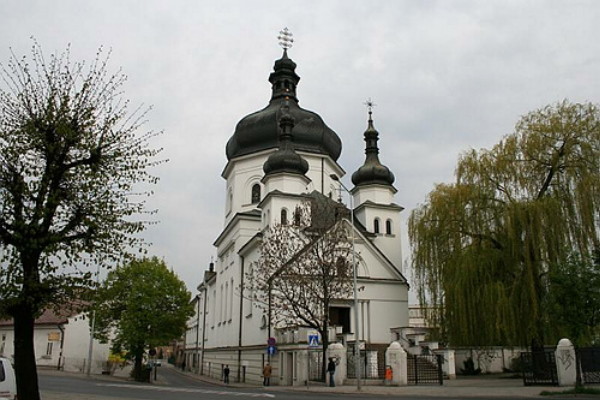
<point>176,386</point>
<point>173,386</point>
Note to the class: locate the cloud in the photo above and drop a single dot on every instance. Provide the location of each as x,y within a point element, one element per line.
<point>447,76</point>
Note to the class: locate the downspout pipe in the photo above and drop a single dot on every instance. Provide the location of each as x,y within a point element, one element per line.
<point>241,319</point>
<point>62,344</point>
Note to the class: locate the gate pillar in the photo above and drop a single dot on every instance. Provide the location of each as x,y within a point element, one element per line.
<point>338,353</point>
<point>566,366</point>
<point>395,357</point>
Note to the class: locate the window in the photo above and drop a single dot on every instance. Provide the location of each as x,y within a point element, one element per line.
<point>340,316</point>
<point>284,219</point>
<point>49,349</point>
<point>2,373</point>
<point>255,193</point>
<point>388,227</point>
<point>231,301</point>
<point>342,267</point>
<point>229,200</point>
<point>297,216</point>
<point>376,225</point>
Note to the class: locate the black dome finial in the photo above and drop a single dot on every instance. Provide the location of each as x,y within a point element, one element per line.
<point>372,171</point>
<point>285,159</point>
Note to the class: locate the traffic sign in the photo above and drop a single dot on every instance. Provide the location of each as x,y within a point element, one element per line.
<point>271,341</point>
<point>271,350</point>
<point>313,339</point>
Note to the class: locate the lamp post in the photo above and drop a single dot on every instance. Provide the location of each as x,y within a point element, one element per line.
<point>357,366</point>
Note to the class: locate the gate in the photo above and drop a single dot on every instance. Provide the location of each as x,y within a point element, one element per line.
<point>539,368</point>
<point>372,364</point>
<point>425,369</point>
<point>315,365</point>
<point>588,359</point>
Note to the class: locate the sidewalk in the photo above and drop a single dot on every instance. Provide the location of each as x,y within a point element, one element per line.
<point>499,386</point>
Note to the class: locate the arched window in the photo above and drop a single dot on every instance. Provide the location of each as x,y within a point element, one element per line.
<point>376,225</point>
<point>297,216</point>
<point>388,227</point>
<point>284,219</point>
<point>255,193</point>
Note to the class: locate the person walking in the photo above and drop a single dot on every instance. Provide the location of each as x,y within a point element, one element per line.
<point>331,371</point>
<point>267,370</point>
<point>226,374</point>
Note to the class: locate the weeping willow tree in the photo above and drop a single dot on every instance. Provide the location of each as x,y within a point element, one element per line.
<point>484,245</point>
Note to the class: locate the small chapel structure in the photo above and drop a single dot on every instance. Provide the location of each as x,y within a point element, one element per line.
<point>277,157</point>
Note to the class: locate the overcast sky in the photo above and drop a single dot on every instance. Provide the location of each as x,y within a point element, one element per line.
<point>446,76</point>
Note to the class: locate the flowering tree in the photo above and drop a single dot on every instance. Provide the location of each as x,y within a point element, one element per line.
<point>70,156</point>
<point>304,267</point>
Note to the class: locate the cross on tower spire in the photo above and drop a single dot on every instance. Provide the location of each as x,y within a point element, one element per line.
<point>370,104</point>
<point>286,39</point>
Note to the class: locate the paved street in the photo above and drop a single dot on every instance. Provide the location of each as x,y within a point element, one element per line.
<point>175,385</point>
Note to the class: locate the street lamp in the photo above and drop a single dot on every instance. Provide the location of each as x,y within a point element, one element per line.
<point>354,273</point>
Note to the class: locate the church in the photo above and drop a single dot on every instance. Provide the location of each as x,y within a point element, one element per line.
<point>276,158</point>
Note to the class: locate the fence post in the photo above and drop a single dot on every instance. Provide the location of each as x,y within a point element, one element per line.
<point>338,353</point>
<point>566,366</point>
<point>395,357</point>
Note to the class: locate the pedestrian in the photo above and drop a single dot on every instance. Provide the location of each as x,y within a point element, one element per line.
<point>267,370</point>
<point>226,374</point>
<point>331,370</point>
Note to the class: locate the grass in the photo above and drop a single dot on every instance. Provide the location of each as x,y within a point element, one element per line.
<point>575,390</point>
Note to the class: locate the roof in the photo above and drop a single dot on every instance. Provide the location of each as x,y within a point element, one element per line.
<point>52,316</point>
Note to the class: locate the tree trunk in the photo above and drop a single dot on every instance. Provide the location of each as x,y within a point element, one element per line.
<point>26,373</point>
<point>325,337</point>
<point>137,366</point>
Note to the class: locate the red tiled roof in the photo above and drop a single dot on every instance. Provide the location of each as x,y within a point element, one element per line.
<point>52,316</point>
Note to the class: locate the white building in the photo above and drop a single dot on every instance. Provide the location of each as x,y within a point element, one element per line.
<point>61,340</point>
<point>268,173</point>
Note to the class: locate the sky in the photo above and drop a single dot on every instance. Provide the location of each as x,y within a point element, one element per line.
<point>446,76</point>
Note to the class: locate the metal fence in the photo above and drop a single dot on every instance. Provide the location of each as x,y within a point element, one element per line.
<point>425,369</point>
<point>539,368</point>
<point>372,364</point>
<point>588,359</point>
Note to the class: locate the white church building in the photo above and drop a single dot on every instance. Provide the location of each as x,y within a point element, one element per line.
<point>267,175</point>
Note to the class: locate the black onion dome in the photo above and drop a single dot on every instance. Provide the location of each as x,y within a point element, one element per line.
<point>285,159</point>
<point>372,171</point>
<point>260,130</point>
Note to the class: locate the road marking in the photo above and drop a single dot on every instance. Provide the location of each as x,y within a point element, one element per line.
<point>187,390</point>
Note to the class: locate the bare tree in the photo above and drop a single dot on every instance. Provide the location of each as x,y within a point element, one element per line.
<point>304,268</point>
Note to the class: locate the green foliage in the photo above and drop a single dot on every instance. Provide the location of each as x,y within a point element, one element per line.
<point>574,300</point>
<point>482,247</point>
<point>144,304</point>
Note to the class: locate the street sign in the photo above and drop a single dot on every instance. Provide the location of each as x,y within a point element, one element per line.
<point>313,339</point>
<point>271,350</point>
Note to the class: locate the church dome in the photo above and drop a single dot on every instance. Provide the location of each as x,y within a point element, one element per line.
<point>285,159</point>
<point>372,171</point>
<point>260,130</point>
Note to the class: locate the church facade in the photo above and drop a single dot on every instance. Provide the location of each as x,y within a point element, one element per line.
<point>276,158</point>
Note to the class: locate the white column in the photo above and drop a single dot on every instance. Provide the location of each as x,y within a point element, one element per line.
<point>396,359</point>
<point>338,353</point>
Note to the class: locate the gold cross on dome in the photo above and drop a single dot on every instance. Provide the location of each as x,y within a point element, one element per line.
<point>286,39</point>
